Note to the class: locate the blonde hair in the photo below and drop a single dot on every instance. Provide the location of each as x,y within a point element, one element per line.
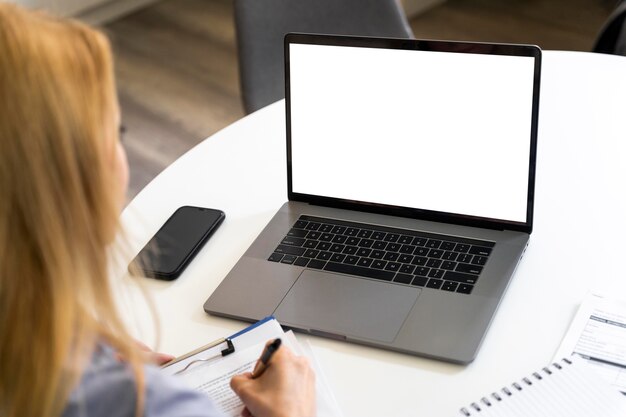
<point>58,210</point>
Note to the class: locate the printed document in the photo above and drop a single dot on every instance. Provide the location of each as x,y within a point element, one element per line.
<point>210,373</point>
<point>598,335</point>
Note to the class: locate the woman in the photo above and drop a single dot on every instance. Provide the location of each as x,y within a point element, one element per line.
<point>63,177</point>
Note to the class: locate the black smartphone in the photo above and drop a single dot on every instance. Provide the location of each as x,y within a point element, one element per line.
<point>176,243</point>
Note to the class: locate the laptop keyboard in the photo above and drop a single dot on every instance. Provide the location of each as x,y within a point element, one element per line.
<point>448,263</point>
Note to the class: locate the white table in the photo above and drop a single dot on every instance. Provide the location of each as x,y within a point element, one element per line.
<point>577,245</point>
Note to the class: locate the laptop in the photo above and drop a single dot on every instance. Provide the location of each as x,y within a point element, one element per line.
<point>411,172</point>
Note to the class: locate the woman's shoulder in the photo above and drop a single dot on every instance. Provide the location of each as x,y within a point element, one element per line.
<point>107,389</point>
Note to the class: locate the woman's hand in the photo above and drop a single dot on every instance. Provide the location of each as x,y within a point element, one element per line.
<point>285,389</point>
<point>156,358</point>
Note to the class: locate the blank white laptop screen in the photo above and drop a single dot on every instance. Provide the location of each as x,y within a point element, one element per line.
<point>449,132</point>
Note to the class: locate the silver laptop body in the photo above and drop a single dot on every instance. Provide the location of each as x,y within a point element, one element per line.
<point>411,170</point>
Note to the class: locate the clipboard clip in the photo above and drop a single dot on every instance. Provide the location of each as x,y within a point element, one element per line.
<point>230,348</point>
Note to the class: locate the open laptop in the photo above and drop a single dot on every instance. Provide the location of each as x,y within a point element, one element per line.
<point>411,171</point>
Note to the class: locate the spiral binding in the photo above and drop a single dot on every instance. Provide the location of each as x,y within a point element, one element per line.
<point>495,397</point>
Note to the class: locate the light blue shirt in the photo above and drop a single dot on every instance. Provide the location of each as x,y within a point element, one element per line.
<point>107,389</point>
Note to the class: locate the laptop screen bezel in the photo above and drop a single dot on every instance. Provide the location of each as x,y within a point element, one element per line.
<point>420,45</point>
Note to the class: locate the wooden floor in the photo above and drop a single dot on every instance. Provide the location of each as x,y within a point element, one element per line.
<point>176,62</point>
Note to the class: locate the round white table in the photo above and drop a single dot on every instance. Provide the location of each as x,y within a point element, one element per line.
<point>577,245</point>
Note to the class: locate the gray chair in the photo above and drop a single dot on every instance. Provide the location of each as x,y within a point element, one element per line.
<point>612,37</point>
<point>262,24</point>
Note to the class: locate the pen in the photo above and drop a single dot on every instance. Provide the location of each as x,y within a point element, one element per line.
<point>267,354</point>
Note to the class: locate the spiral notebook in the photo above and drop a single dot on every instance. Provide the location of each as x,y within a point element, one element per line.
<point>566,388</point>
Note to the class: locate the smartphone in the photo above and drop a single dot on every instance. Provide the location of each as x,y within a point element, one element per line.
<point>176,243</point>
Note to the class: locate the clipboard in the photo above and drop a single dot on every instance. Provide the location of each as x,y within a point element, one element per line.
<point>210,352</point>
<point>232,354</point>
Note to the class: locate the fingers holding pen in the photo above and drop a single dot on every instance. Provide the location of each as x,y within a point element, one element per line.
<point>285,388</point>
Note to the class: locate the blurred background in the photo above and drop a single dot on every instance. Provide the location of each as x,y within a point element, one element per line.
<point>177,65</point>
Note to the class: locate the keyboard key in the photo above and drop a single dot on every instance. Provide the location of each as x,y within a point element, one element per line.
<point>405,240</point>
<point>436,273</point>
<point>366,243</point>
<point>363,252</point>
<point>465,258</point>
<point>350,250</point>
<point>448,265</point>
<point>407,269</point>
<point>324,256</point>
<point>365,233</point>
<point>479,260</point>
<point>356,270</point>
<point>316,263</point>
<point>419,260</point>
<point>300,224</point>
<point>393,247</point>
<point>323,246</point>
<point>310,244</point>
<point>434,283</point>
<point>338,230</point>
<point>311,253</point>
<point>465,288</point>
<point>447,245</point>
<point>289,250</point>
<point>449,286</point>
<point>403,278</point>
<point>480,250</point>
<point>275,257</point>
<point>405,259</point>
<point>293,241</point>
<point>435,253</point>
<point>391,256</point>
<point>340,239</point>
<point>470,269</point>
<point>352,241</point>
<point>434,263</point>
<point>326,237</point>
<point>313,226</point>
<point>337,248</point>
<point>378,235</point>
<point>392,266</point>
<point>351,231</point>
<point>314,235</point>
<point>419,281</point>
<point>392,237</point>
<point>297,233</point>
<point>365,262</point>
<point>421,270</point>
<point>460,277</point>
<point>462,247</point>
<point>419,251</point>
<point>407,249</point>
<point>449,256</point>
<point>351,260</point>
<point>288,259</point>
<point>419,241</point>
<point>379,264</point>
<point>377,254</point>
<point>337,257</point>
<point>379,244</point>
<point>301,261</point>
<point>433,243</point>
<point>326,228</point>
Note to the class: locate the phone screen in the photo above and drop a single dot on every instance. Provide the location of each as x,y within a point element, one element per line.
<point>176,243</point>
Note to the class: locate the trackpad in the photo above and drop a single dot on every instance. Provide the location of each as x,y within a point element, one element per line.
<point>347,306</point>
